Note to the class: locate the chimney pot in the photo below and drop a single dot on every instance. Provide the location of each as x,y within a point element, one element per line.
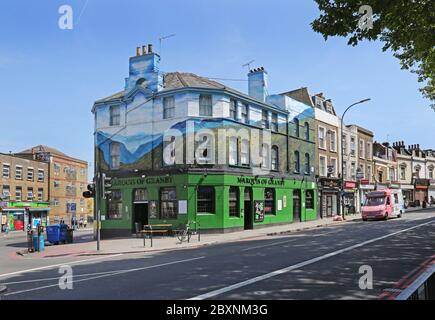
<point>137,51</point>
<point>150,48</point>
<point>144,50</point>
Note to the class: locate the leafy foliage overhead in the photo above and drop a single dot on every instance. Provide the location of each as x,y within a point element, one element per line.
<point>406,27</point>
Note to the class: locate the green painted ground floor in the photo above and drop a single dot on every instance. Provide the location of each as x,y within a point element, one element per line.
<point>218,203</point>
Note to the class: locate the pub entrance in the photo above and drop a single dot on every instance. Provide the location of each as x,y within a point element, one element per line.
<point>297,205</point>
<point>248,215</point>
<point>140,210</point>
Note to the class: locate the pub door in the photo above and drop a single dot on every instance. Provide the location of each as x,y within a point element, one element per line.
<point>140,215</point>
<point>297,205</point>
<point>248,214</point>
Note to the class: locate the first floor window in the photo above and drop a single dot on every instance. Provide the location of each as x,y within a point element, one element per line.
<point>233,154</point>
<point>244,113</point>
<point>205,200</point>
<point>115,156</point>
<point>309,199</point>
<point>265,156</point>
<point>168,107</point>
<point>115,115</point>
<point>168,203</point>
<point>274,122</point>
<point>307,163</point>
<point>6,195</point>
<point>18,194</point>
<point>233,109</point>
<point>115,205</point>
<point>234,202</point>
<point>40,194</point>
<point>307,131</point>
<point>265,119</point>
<point>275,159</point>
<point>205,105</point>
<point>297,162</point>
<point>30,174</point>
<point>18,172</point>
<point>6,171</point>
<point>244,154</point>
<point>322,166</point>
<point>29,194</point>
<point>269,201</point>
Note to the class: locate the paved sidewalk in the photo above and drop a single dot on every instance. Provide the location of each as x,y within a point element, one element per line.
<point>136,245</point>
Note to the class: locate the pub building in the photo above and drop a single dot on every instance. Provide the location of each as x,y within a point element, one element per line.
<point>252,162</point>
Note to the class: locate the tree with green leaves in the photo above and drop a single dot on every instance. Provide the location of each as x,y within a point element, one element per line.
<point>406,27</point>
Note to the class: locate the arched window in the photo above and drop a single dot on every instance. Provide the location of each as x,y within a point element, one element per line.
<point>307,163</point>
<point>297,162</point>
<point>296,122</point>
<point>307,131</point>
<point>275,158</point>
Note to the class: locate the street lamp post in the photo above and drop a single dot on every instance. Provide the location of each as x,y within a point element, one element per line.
<point>342,153</point>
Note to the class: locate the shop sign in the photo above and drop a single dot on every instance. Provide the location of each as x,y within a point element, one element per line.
<point>350,185</point>
<point>330,183</point>
<point>260,181</point>
<point>365,182</point>
<point>141,181</point>
<point>259,211</point>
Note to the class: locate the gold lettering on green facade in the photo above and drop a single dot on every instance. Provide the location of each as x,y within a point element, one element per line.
<point>141,181</point>
<point>260,181</point>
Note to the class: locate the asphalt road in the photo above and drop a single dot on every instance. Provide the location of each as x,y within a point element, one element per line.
<point>322,263</point>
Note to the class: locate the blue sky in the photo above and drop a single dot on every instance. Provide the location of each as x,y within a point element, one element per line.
<point>49,78</point>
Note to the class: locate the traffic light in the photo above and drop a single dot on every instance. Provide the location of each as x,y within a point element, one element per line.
<point>106,184</point>
<point>91,191</point>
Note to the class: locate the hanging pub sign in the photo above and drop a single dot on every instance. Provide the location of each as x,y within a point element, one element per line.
<point>259,211</point>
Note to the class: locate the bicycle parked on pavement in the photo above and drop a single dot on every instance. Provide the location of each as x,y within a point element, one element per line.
<point>188,231</point>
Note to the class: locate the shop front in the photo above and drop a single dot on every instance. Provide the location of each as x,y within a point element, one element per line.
<point>431,192</point>
<point>329,189</point>
<point>15,216</point>
<point>364,188</point>
<point>217,202</point>
<point>421,192</point>
<point>350,197</point>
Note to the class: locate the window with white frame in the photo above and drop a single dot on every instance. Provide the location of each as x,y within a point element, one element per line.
<point>322,166</point>
<point>361,170</point>
<point>369,151</point>
<point>233,154</point>
<point>30,174</point>
<point>18,193</point>
<point>205,105</point>
<point>344,143</point>
<point>333,142</point>
<point>41,175</point>
<point>333,165</point>
<point>18,172</point>
<point>352,146</point>
<point>369,172</point>
<point>402,172</point>
<point>244,154</point>
<point>245,113</point>
<point>233,109</point>
<point>265,154</point>
<point>344,170</point>
<point>361,149</point>
<point>6,171</point>
<point>168,107</point>
<point>115,115</point>
<point>6,193</point>
<point>275,158</point>
<point>392,174</point>
<point>29,194</point>
<point>40,194</point>
<point>431,169</point>
<point>56,168</point>
<point>265,119</point>
<point>322,132</point>
<point>115,155</point>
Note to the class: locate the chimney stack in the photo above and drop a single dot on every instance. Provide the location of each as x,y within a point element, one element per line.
<point>258,84</point>
<point>137,51</point>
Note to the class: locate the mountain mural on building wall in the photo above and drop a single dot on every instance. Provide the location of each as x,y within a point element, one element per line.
<point>131,148</point>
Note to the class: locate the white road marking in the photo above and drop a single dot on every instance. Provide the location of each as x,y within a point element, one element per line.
<point>58,265</point>
<point>286,241</point>
<point>57,278</point>
<point>275,273</point>
<point>107,275</point>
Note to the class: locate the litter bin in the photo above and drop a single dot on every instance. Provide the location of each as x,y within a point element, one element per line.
<point>53,234</point>
<point>69,235</point>
<point>38,243</point>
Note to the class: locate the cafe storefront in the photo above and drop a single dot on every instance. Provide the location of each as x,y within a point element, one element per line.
<point>218,202</point>
<point>15,216</point>
<point>329,191</point>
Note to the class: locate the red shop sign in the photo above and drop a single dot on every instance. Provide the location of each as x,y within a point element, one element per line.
<point>349,185</point>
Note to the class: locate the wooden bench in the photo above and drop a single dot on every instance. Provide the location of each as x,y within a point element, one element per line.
<point>155,229</point>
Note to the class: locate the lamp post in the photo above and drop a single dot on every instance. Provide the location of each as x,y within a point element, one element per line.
<point>342,153</point>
